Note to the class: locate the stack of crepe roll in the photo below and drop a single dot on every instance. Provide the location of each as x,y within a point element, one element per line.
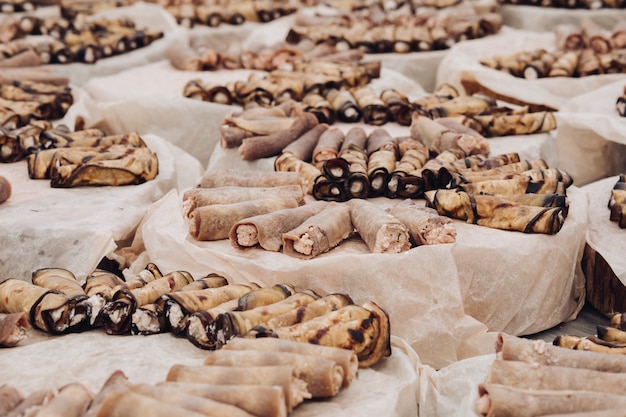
<point>233,12</point>
<point>86,157</point>
<point>400,32</point>
<point>579,51</point>
<point>620,104</point>
<point>617,202</point>
<point>72,9</point>
<point>29,97</point>
<point>533,378</point>
<point>57,40</point>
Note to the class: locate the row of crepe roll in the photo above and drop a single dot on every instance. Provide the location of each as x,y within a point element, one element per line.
<point>534,378</point>
<point>230,12</point>
<point>208,311</point>
<point>252,377</point>
<point>279,217</point>
<point>617,202</point>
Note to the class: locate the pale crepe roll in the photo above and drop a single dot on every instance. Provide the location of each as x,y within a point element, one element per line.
<point>233,177</point>
<point>540,377</point>
<point>72,400</point>
<point>425,225</point>
<point>10,397</point>
<point>215,221</point>
<point>130,404</point>
<point>13,328</point>
<point>324,377</point>
<point>295,389</point>
<point>539,352</point>
<point>266,230</point>
<point>319,233</point>
<point>199,197</point>
<point>259,400</point>
<point>382,232</point>
<point>30,403</point>
<point>345,358</point>
<point>116,382</point>
<point>5,189</point>
<point>190,402</point>
<point>502,401</point>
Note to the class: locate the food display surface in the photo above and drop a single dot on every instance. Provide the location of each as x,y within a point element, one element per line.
<point>415,187</point>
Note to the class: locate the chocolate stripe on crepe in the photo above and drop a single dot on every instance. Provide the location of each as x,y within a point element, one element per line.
<point>382,150</point>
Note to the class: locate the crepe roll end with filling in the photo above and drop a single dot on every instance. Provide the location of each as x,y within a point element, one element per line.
<point>5,189</point>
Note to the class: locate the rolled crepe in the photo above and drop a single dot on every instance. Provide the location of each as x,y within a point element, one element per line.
<point>541,353</point>
<point>179,305</point>
<point>126,403</point>
<point>259,400</point>
<point>215,221</point>
<point>266,230</point>
<point>319,233</point>
<point>323,377</point>
<point>294,388</point>
<point>539,377</point>
<point>58,279</point>
<point>211,280</point>
<point>232,177</point>
<point>10,397</point>
<point>5,189</point>
<point>327,146</point>
<point>439,138</point>
<point>347,359</point>
<point>190,402</point>
<point>148,319</point>
<point>13,328</point>
<point>499,400</point>
<point>236,323</point>
<point>381,231</point>
<point>314,309</point>
<point>265,146</point>
<point>30,403</point>
<point>495,212</point>
<point>199,197</point>
<point>425,225</point>
<point>116,382</point>
<point>288,163</point>
<point>302,148</point>
<point>72,400</point>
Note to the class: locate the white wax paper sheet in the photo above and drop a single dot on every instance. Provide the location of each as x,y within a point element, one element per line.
<point>48,362</point>
<point>591,135</point>
<point>74,228</point>
<point>541,19</point>
<point>444,300</point>
<point>464,58</point>
<point>603,235</point>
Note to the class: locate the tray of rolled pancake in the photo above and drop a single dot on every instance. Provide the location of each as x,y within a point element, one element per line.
<point>272,347</point>
<point>572,376</point>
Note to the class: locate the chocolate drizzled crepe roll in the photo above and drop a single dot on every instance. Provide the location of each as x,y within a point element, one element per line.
<point>494,212</point>
<point>327,146</point>
<point>382,232</point>
<point>302,148</point>
<point>149,319</point>
<point>323,377</point>
<point>320,107</point>
<point>13,328</point>
<point>425,225</point>
<point>500,400</point>
<point>72,400</point>
<point>126,404</point>
<point>189,402</point>
<point>345,358</point>
<point>259,400</point>
<point>565,66</point>
<point>519,185</point>
<point>353,151</point>
<point>319,233</point>
<point>214,222</point>
<point>413,156</point>
<point>295,389</point>
<point>200,197</point>
<point>5,189</point>
<point>10,397</point>
<point>212,93</point>
<point>231,177</point>
<point>286,162</point>
<point>116,316</point>
<point>237,323</point>
<point>515,124</point>
<point>540,67</point>
<point>266,230</point>
<point>345,105</point>
<point>201,325</point>
<point>314,309</point>
<point>265,146</point>
<point>382,152</point>
<point>539,377</point>
<point>398,105</point>
<point>375,112</point>
<point>462,105</point>
<point>211,280</point>
<point>589,344</point>
<point>180,304</point>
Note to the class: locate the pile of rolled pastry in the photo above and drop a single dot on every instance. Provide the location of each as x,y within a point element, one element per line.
<point>533,378</point>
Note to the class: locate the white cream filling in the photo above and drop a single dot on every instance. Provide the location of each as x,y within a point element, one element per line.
<point>304,244</point>
<point>144,322</point>
<point>247,235</point>
<point>175,314</point>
